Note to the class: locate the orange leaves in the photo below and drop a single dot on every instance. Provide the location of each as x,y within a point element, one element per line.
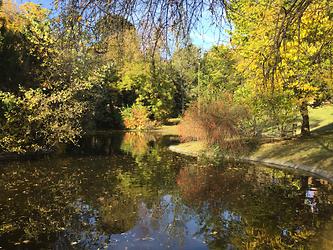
<point>136,117</point>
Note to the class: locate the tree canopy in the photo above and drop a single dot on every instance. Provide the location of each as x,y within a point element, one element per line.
<point>118,62</point>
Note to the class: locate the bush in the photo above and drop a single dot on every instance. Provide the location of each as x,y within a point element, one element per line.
<point>136,117</point>
<point>217,122</point>
<point>36,121</point>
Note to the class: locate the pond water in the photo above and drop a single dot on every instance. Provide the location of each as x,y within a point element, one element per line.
<point>128,191</point>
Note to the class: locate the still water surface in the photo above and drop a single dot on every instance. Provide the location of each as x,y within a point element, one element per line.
<point>128,191</point>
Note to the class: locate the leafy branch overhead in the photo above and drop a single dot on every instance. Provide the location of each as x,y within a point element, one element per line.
<point>118,63</point>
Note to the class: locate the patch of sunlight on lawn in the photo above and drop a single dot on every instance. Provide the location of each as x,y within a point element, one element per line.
<point>321,118</point>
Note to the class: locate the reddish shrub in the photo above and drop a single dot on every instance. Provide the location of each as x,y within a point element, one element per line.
<point>218,122</point>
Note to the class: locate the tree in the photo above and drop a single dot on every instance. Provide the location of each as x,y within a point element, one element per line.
<point>219,71</point>
<point>48,110</point>
<point>157,20</point>
<point>151,85</point>
<point>296,67</point>
<point>306,59</point>
<point>38,121</point>
<point>186,61</point>
<point>18,65</point>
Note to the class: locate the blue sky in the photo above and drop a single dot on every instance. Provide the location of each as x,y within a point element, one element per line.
<point>204,36</point>
<point>44,3</point>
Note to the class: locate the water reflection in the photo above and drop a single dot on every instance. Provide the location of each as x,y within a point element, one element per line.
<point>127,191</point>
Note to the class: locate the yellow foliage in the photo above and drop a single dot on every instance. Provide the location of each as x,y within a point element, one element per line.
<point>15,17</point>
<point>8,15</point>
<point>303,65</point>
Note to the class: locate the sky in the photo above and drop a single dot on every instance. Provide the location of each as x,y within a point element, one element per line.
<point>44,3</point>
<point>204,36</point>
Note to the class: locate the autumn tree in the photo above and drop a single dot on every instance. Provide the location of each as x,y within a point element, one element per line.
<point>45,110</point>
<point>298,68</point>
<point>18,65</point>
<point>306,59</point>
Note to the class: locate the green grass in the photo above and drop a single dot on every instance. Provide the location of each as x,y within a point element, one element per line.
<point>316,150</point>
<point>169,128</point>
<point>321,119</point>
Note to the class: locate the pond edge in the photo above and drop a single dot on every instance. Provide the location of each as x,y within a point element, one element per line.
<point>328,175</point>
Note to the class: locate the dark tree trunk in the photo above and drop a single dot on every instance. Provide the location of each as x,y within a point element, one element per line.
<point>305,129</point>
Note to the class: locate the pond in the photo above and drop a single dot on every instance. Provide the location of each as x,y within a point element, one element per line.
<point>128,191</point>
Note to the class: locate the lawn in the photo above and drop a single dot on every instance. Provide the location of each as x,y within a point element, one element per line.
<point>321,119</point>
<point>316,150</point>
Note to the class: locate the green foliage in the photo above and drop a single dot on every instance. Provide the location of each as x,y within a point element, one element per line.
<point>55,56</point>
<point>271,114</point>
<point>306,57</point>
<point>36,121</point>
<point>40,42</point>
<point>50,113</point>
<point>152,85</point>
<point>185,62</point>
<point>159,96</point>
<point>103,99</point>
<point>298,66</point>
<point>219,69</point>
<point>25,45</point>
<point>217,74</point>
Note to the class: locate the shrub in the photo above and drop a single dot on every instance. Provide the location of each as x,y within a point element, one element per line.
<point>216,122</point>
<point>136,117</point>
<point>36,121</point>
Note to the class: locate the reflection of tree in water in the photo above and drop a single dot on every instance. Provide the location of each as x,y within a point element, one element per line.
<point>137,202</point>
<point>37,200</point>
<point>98,145</point>
<point>152,197</point>
<point>155,167</point>
<point>269,202</point>
<point>313,197</point>
<point>60,198</point>
<point>137,143</point>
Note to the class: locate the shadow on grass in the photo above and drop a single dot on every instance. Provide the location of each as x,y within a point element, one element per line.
<point>327,129</point>
<point>315,150</point>
<point>315,123</point>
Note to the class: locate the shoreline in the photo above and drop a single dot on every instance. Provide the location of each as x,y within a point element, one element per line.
<point>14,156</point>
<point>200,148</point>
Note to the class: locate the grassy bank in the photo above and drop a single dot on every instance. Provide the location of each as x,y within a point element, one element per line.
<point>193,148</point>
<point>313,154</point>
<point>169,128</point>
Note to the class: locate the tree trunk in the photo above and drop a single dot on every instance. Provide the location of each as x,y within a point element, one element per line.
<point>305,129</point>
